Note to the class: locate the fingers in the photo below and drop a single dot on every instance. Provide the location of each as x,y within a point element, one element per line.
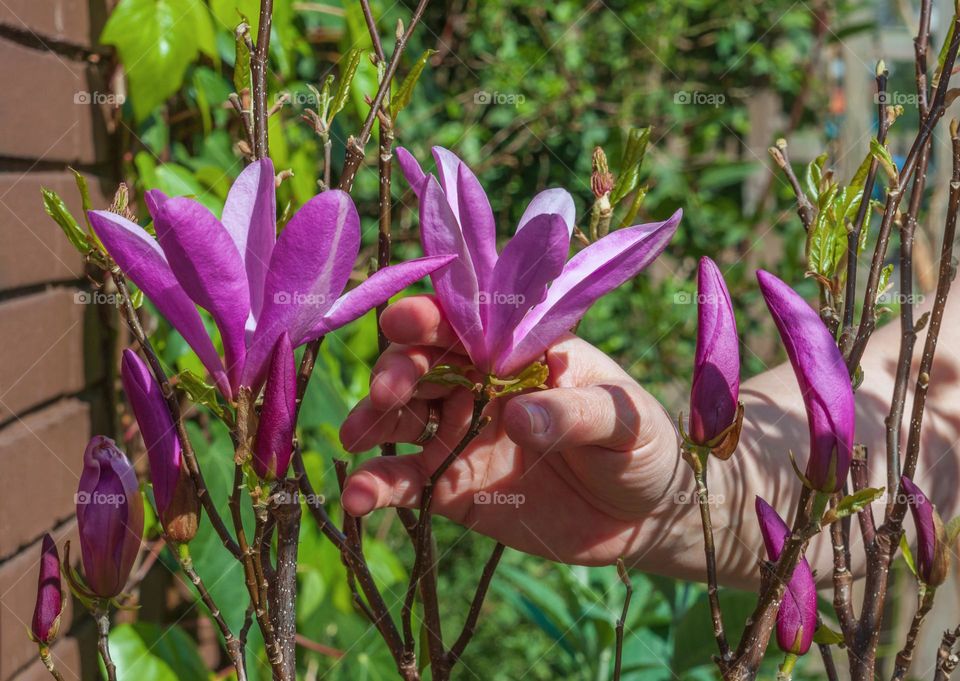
<point>609,416</point>
<point>383,482</point>
<point>366,426</point>
<point>418,320</point>
<point>395,375</point>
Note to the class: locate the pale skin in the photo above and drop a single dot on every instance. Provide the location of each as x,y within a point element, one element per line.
<point>595,459</point>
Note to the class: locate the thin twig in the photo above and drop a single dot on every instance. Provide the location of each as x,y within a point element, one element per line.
<point>470,624</point>
<point>101,615</point>
<point>622,622</point>
<point>905,656</point>
<point>258,77</point>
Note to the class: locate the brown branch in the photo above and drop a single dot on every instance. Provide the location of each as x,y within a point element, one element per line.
<point>355,145</point>
<point>473,615</point>
<point>285,510</point>
<point>947,659</point>
<point>102,617</point>
<point>622,622</point>
<point>805,209</point>
<point>905,656</point>
<point>258,76</point>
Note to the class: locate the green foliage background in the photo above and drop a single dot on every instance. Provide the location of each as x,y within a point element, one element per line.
<point>523,91</point>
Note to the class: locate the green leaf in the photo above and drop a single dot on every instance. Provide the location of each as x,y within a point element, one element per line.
<point>907,554</point>
<point>882,154</point>
<point>400,98</point>
<point>533,376</point>
<point>57,209</point>
<point>241,69</point>
<point>149,652</point>
<point>199,391</point>
<point>826,241</point>
<point>953,529</point>
<point>853,503</point>
<point>633,154</point>
<point>884,282</point>
<point>824,635</point>
<point>814,175</point>
<point>157,40</point>
<point>343,87</point>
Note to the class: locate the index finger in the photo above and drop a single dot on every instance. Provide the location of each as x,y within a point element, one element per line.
<point>418,320</point>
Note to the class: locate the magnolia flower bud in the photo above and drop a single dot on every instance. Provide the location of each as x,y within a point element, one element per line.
<point>109,517</point>
<point>797,616</point>
<point>173,490</point>
<point>824,383</point>
<point>933,555</point>
<point>46,613</point>
<point>274,443</point>
<point>716,369</point>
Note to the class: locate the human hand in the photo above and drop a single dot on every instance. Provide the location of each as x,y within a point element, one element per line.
<point>583,472</point>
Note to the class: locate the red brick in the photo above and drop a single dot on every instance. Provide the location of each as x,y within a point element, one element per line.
<point>18,593</point>
<point>35,249</point>
<point>45,112</point>
<point>44,454</point>
<point>68,21</point>
<point>43,355</point>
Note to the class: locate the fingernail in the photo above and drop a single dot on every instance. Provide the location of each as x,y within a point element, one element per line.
<point>539,418</point>
<point>358,500</point>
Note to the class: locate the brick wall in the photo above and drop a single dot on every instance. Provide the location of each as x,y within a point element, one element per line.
<point>53,366</point>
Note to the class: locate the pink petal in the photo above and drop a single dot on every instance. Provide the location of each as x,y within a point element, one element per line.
<point>208,266</point>
<point>456,285</point>
<point>411,170</point>
<point>476,224</point>
<point>448,170</point>
<point>250,217</point>
<point>548,201</point>
<point>142,260</point>
<point>590,274</point>
<point>311,264</point>
<point>375,290</point>
<point>531,259</point>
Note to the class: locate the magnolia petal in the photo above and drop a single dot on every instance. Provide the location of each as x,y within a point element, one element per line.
<point>532,259</point>
<point>411,169</point>
<point>448,170</point>
<point>377,289</point>
<point>156,427</point>
<point>554,200</point>
<point>155,198</point>
<point>590,274</point>
<point>209,267</point>
<point>311,265</point>
<point>456,285</point>
<point>142,260</point>
<point>716,368</point>
<point>274,441</point>
<point>476,223</point>
<point>797,615</point>
<point>250,217</point>
<point>49,603</point>
<point>823,379</point>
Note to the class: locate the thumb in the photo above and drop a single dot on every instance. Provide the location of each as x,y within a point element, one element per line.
<point>617,416</point>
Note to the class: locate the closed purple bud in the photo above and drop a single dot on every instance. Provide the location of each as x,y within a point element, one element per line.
<point>109,516</point>
<point>173,488</point>
<point>797,616</point>
<point>823,379</point>
<point>274,443</point>
<point>46,614</point>
<point>933,556</point>
<point>716,369</point>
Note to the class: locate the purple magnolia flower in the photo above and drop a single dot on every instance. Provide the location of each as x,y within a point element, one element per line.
<point>173,488</point>
<point>255,285</point>
<point>823,379</point>
<point>500,304</point>
<point>716,369</point>
<point>797,616</point>
<point>46,613</point>
<point>933,555</point>
<point>274,442</point>
<point>109,516</point>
